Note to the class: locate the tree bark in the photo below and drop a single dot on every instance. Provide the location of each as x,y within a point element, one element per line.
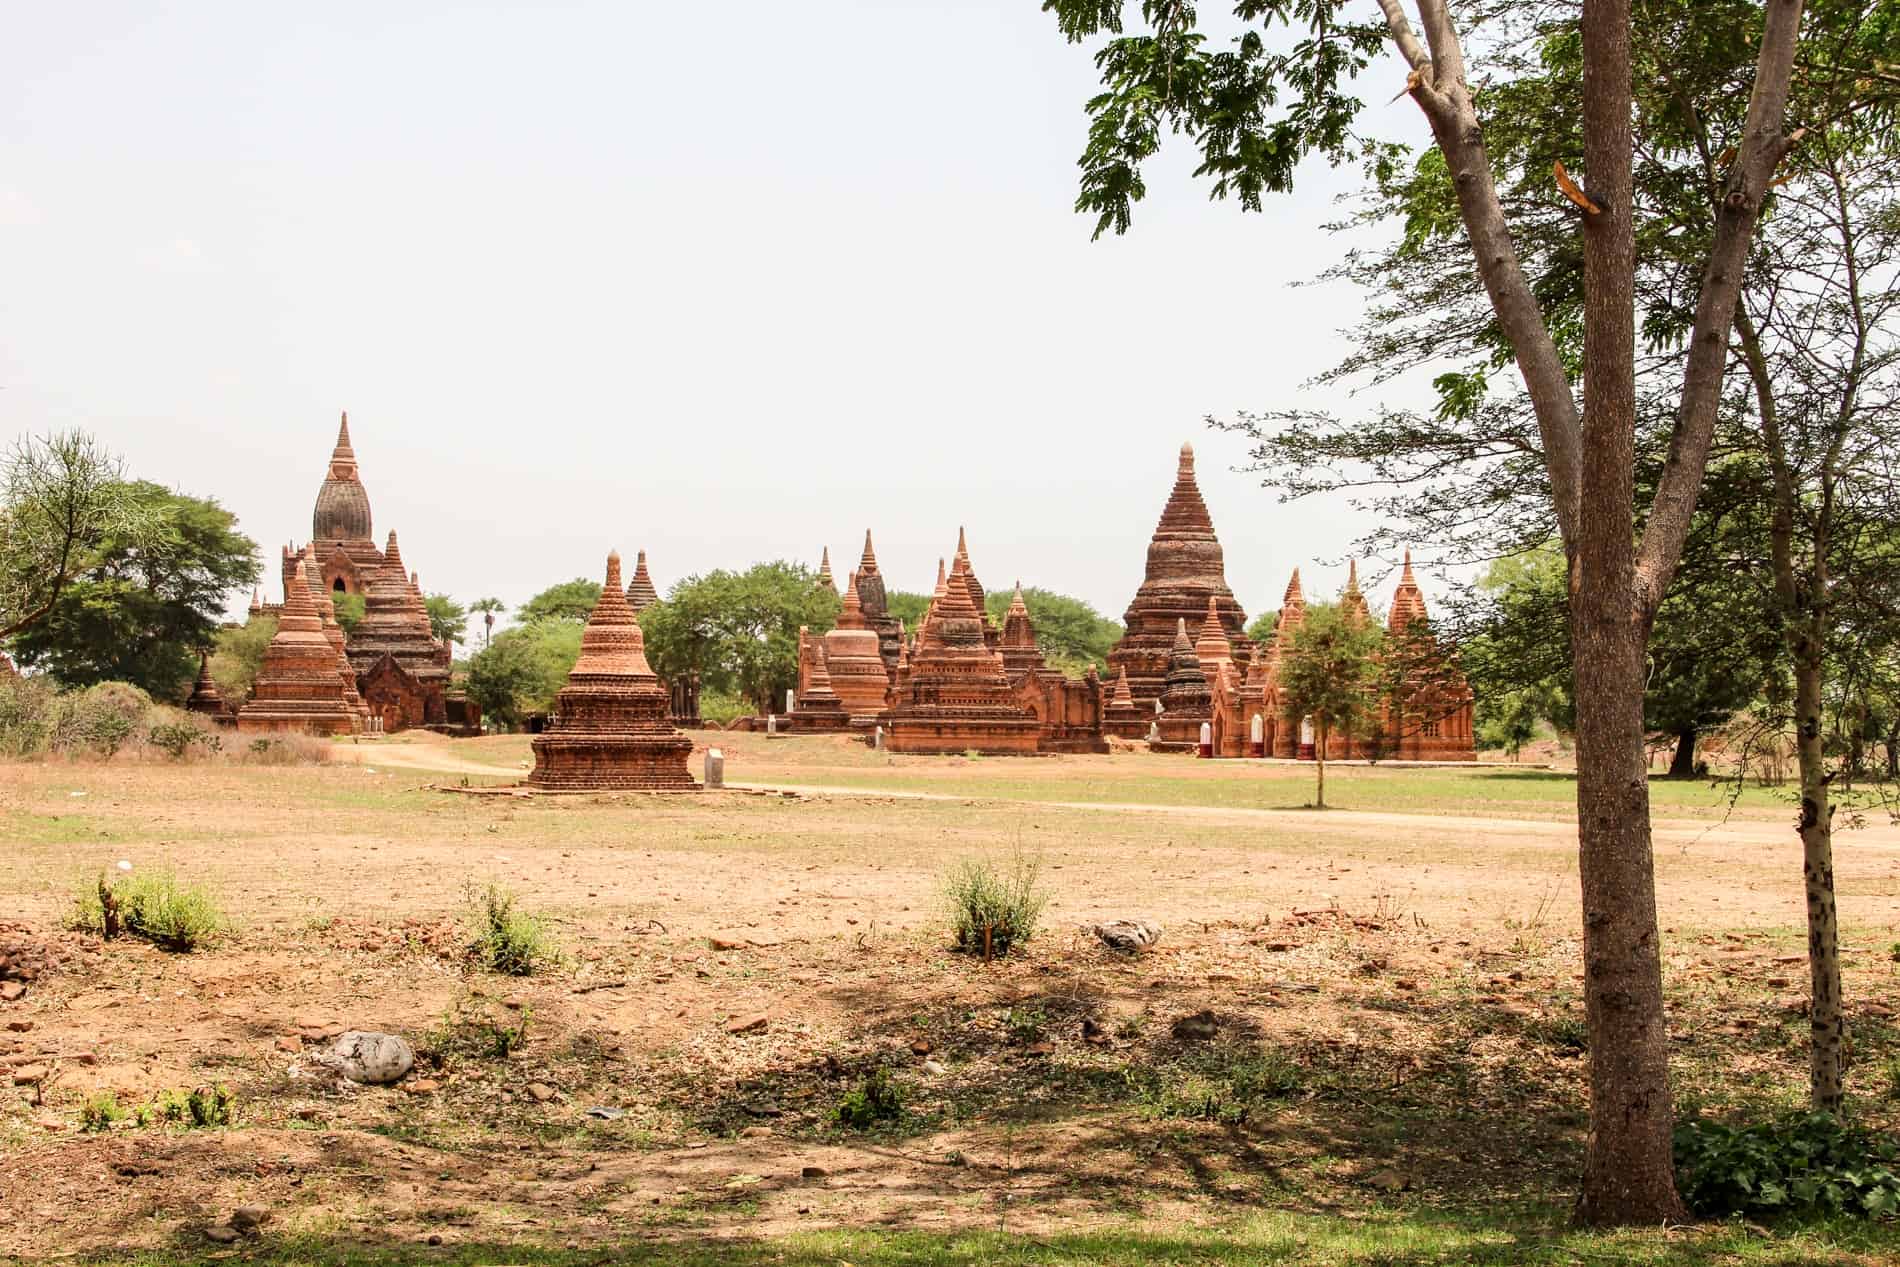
<point>1629,1170</point>
<point>1804,618</point>
<point>1682,765</point>
<point>1319,755</point>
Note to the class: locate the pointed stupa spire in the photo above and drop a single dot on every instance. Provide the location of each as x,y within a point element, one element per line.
<point>1181,642</point>
<point>851,615</point>
<point>824,571</point>
<point>342,509</point>
<point>1122,698</point>
<point>868,561</point>
<point>641,593</point>
<point>257,601</point>
<point>1019,635</point>
<point>1212,645</point>
<point>612,644</point>
<point>1351,601</point>
<point>1295,596</point>
<point>1408,601</point>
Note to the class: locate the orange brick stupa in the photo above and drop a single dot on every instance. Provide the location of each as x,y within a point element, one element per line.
<point>958,697</point>
<point>610,730</point>
<point>1185,570</point>
<point>876,604</point>
<point>856,662</point>
<point>205,699</point>
<point>298,687</point>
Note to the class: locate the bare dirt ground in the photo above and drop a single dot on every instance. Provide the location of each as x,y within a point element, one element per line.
<point>1394,995</point>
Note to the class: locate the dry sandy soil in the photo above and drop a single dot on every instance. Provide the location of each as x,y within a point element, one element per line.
<point>1393,985</point>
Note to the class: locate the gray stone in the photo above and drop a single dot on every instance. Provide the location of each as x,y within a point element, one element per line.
<point>246,1217</point>
<point>367,1056</point>
<point>1128,934</point>
<point>222,1234</point>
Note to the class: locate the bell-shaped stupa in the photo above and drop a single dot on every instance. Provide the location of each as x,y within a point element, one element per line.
<point>610,730</point>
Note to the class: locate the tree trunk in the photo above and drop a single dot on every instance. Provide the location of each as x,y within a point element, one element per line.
<point>1319,755</point>
<point>1629,1168</point>
<point>1893,753</point>
<point>1682,765</point>
<point>1827,1048</point>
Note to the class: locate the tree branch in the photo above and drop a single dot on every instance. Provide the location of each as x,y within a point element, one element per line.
<point>1760,152</point>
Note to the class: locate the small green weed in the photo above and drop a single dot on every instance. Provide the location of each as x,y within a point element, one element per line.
<point>466,1032</point>
<point>878,1098</point>
<point>154,905</point>
<point>214,1105</point>
<point>1223,1085</point>
<point>101,1111</point>
<point>507,939</point>
<point>992,910</point>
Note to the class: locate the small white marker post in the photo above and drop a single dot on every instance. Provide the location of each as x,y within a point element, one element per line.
<point>1207,741</point>
<point>715,767</point>
<point>1259,736</point>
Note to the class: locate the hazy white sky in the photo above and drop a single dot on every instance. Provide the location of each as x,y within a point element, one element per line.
<point>727,281</point>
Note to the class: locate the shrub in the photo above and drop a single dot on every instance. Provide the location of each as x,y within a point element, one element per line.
<point>878,1098</point>
<point>215,1105</point>
<point>99,719</point>
<point>1804,1163</point>
<point>506,938</point>
<point>178,734</point>
<point>465,1032</point>
<point>149,904</point>
<point>992,910</point>
<point>26,706</point>
<point>100,1111</point>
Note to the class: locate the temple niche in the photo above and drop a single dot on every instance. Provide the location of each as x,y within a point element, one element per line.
<point>1185,570</point>
<point>609,731</point>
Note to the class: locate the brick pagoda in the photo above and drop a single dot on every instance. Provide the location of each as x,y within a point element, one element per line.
<point>1185,569</point>
<point>298,687</point>
<point>958,697</point>
<point>610,731</point>
<point>641,593</point>
<point>856,662</point>
<point>1186,701</point>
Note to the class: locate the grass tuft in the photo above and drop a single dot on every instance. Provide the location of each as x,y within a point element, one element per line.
<point>507,939</point>
<point>992,909</point>
<point>154,905</point>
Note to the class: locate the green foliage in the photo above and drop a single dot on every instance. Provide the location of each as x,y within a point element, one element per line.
<point>201,1107</point>
<point>506,939</point>
<point>239,650</point>
<point>154,905</point>
<point>1801,1164</point>
<point>878,1097</point>
<point>97,720</point>
<point>63,505</point>
<point>1217,1084</point>
<point>570,600</point>
<point>522,669</point>
<point>1072,634</point>
<point>101,1111</point>
<point>739,630</point>
<point>465,1032</point>
<point>906,606</point>
<point>147,599</point>
<point>1262,627</point>
<point>487,609</point>
<point>721,706</point>
<point>448,619</point>
<point>180,734</point>
<point>991,908</point>
<point>349,609</point>
<point>1328,669</point>
<point>1220,92</point>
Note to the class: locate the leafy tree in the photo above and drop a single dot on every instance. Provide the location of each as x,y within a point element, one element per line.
<point>349,609</point>
<point>1329,672</point>
<point>1072,634</point>
<point>63,499</point>
<point>739,630</point>
<point>1261,628</point>
<point>488,608</point>
<point>1256,107</point>
<point>522,669</point>
<point>570,600</point>
<point>448,619</point>
<point>238,654</point>
<point>907,606</point>
<point>145,605</point>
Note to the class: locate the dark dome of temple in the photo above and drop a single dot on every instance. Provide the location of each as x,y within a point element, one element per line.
<point>342,512</point>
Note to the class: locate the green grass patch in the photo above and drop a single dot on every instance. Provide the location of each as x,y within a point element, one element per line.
<point>155,905</point>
